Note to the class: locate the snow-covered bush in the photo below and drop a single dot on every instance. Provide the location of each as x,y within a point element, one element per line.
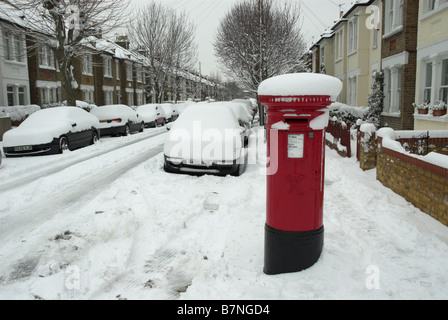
<point>375,100</point>
<point>18,113</point>
<point>346,113</point>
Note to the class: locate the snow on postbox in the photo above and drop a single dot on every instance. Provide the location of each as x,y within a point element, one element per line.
<point>297,118</point>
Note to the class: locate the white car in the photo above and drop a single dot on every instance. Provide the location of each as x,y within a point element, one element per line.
<point>118,119</point>
<point>170,113</point>
<point>51,131</point>
<point>206,138</point>
<point>152,114</point>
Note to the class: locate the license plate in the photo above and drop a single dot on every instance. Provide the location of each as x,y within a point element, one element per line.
<point>23,148</point>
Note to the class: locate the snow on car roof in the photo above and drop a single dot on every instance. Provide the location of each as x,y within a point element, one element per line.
<point>115,110</point>
<point>211,115</point>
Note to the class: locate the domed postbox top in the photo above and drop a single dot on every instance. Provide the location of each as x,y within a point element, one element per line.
<point>299,90</point>
<point>301,84</point>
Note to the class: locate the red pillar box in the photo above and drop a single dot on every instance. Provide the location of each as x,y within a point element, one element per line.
<point>297,118</point>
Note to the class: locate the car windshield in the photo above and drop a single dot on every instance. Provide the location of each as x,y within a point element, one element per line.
<point>47,117</point>
<point>216,115</point>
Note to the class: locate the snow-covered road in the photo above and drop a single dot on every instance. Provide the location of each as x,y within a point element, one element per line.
<point>116,226</point>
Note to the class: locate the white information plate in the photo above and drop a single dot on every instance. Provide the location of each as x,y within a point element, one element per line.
<point>295,146</point>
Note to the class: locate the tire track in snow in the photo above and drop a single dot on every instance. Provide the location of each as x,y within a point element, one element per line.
<point>31,217</point>
<point>52,169</point>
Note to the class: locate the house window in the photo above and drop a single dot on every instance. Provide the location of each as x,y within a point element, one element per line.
<point>87,65</point>
<point>443,95</point>
<point>130,98</point>
<point>48,95</point>
<point>21,91</point>
<point>88,96</point>
<point>138,71</point>
<point>352,35</point>
<point>117,69</point>
<point>46,58</point>
<point>10,95</point>
<point>108,97</point>
<point>339,45</point>
<point>392,83</point>
<point>375,38</point>
<point>428,83</point>
<point>139,98</point>
<point>107,62</point>
<point>13,47</point>
<point>129,72</point>
<point>394,15</point>
<point>352,91</point>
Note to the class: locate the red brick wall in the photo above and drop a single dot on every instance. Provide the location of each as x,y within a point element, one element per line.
<point>423,184</point>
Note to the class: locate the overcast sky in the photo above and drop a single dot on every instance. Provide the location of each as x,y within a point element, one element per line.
<point>207,14</point>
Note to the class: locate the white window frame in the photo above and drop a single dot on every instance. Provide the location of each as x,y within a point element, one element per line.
<point>138,72</point>
<point>13,48</point>
<point>117,69</point>
<point>339,36</point>
<point>393,17</point>
<point>87,65</point>
<point>392,90</point>
<point>46,58</point>
<point>427,87</point>
<point>107,65</point>
<point>444,86</point>
<point>352,36</point>
<point>129,72</point>
<point>352,88</point>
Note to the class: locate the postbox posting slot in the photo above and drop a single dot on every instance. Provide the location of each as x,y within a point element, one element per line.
<point>299,120</point>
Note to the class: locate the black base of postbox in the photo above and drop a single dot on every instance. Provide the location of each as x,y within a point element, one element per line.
<point>287,251</point>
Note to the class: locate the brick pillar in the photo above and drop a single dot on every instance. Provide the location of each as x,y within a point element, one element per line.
<point>367,151</point>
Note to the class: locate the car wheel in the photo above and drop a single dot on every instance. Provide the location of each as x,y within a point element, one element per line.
<point>63,144</point>
<point>94,137</point>
<point>127,131</point>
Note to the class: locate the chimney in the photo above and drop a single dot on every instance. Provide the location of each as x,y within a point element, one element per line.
<point>123,41</point>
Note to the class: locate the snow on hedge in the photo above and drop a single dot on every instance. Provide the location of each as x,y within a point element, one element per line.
<point>18,113</point>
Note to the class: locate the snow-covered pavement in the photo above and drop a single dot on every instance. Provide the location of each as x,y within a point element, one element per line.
<point>116,226</point>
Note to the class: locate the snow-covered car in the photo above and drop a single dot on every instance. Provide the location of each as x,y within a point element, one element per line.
<point>249,105</point>
<point>118,119</point>
<point>206,139</point>
<point>52,131</point>
<point>170,114</point>
<point>152,114</point>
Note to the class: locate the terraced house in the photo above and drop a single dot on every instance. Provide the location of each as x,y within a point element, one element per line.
<point>407,40</point>
<point>108,72</point>
<point>14,79</point>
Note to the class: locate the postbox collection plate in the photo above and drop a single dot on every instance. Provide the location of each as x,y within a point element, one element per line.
<point>296,144</point>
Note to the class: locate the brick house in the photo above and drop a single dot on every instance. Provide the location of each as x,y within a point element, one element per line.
<point>399,55</point>
<point>14,79</point>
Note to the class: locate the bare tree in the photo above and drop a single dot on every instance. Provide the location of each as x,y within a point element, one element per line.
<point>259,39</point>
<point>65,26</point>
<point>168,39</point>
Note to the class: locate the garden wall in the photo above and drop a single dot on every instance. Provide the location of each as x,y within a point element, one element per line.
<point>421,180</point>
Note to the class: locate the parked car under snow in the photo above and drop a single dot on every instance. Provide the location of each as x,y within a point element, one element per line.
<point>52,131</point>
<point>118,119</point>
<point>206,139</point>
<point>152,114</point>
